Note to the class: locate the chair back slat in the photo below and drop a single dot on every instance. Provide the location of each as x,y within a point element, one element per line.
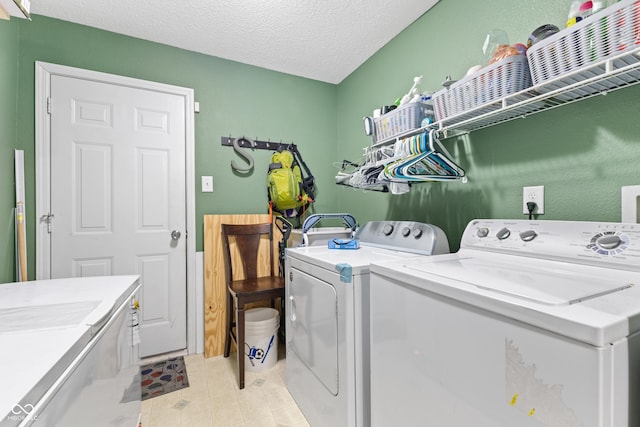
<point>247,238</point>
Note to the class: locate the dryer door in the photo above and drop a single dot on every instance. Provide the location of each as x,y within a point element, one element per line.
<point>312,326</point>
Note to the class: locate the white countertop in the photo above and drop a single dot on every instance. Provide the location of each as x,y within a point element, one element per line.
<point>44,325</point>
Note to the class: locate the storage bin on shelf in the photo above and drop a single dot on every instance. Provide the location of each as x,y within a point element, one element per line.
<point>403,119</point>
<point>577,49</point>
<point>485,86</point>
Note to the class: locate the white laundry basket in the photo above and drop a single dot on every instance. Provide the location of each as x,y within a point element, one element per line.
<point>261,338</point>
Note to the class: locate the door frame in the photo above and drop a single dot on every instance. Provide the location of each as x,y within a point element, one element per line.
<point>43,74</point>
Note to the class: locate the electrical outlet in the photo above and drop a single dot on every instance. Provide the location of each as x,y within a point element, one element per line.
<point>533,194</point>
<point>631,203</point>
<point>207,184</point>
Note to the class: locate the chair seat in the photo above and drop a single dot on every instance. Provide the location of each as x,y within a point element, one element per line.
<point>260,287</point>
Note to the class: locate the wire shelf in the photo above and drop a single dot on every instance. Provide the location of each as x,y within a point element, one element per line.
<point>600,78</point>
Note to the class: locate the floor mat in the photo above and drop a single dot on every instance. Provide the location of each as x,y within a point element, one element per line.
<point>163,377</point>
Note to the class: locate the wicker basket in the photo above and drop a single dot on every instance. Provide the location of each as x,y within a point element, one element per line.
<point>402,119</point>
<point>490,84</point>
<point>604,34</point>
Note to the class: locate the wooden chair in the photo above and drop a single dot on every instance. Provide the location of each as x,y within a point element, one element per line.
<point>251,288</point>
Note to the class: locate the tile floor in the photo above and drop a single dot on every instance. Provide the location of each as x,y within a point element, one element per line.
<point>214,400</point>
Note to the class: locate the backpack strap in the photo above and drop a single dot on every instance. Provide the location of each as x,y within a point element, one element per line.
<point>307,182</point>
<point>298,157</point>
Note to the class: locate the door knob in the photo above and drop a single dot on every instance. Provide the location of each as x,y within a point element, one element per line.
<point>175,234</point>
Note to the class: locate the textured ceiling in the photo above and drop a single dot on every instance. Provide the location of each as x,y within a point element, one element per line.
<point>321,40</point>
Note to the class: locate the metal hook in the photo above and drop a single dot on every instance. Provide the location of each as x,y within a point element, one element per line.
<point>432,137</point>
<point>448,82</point>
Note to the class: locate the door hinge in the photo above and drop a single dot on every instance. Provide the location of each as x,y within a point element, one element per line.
<point>48,105</point>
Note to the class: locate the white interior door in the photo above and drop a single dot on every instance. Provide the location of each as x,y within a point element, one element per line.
<point>118,195</point>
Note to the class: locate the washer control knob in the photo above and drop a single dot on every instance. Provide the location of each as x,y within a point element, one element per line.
<point>609,242</point>
<point>387,229</point>
<point>417,233</point>
<point>528,235</point>
<point>406,231</point>
<point>503,234</point>
<point>483,232</point>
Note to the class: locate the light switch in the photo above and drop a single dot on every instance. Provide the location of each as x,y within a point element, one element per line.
<point>207,184</point>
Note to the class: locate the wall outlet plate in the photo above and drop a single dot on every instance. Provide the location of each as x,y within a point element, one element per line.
<point>631,203</point>
<point>533,194</point>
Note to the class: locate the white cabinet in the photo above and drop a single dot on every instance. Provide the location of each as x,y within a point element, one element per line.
<point>18,8</point>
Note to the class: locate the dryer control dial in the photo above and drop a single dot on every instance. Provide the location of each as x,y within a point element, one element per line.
<point>417,233</point>
<point>528,235</point>
<point>503,234</point>
<point>387,229</point>
<point>483,232</point>
<point>406,231</point>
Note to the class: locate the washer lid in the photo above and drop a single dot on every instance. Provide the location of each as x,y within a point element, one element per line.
<point>594,305</point>
<point>537,281</point>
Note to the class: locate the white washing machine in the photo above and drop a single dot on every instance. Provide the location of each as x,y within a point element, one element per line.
<point>530,324</point>
<point>327,318</point>
<point>70,352</point>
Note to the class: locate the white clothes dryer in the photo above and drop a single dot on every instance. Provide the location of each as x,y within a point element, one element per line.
<point>529,324</point>
<point>327,318</point>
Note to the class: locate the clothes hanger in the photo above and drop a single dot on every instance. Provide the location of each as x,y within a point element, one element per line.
<point>407,151</point>
<point>424,164</point>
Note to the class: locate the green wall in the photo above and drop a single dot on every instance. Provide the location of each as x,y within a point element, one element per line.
<point>8,116</point>
<point>582,153</point>
<point>235,100</point>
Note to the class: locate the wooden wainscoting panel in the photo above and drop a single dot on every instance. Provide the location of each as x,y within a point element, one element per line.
<point>214,275</point>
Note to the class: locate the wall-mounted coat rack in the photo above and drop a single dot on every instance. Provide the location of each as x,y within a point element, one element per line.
<point>243,142</point>
<point>254,143</point>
